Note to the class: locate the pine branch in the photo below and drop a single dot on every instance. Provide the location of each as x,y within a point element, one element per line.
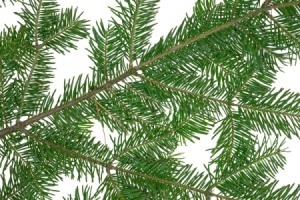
<point>137,16</point>
<point>177,89</point>
<point>182,90</point>
<point>132,33</point>
<point>111,167</point>
<point>233,134</point>
<point>127,86</point>
<point>35,60</point>
<point>285,30</point>
<point>85,193</point>
<point>137,117</point>
<point>106,53</point>
<point>99,119</point>
<point>86,96</point>
<point>150,142</point>
<point>147,143</point>
<point>229,71</point>
<point>246,167</point>
<point>69,29</point>
<point>74,24</point>
<point>98,105</point>
<point>219,100</point>
<point>214,30</point>
<point>266,3</point>
<point>235,5</point>
<point>114,185</point>
<point>267,110</point>
<point>143,65</point>
<point>17,190</point>
<point>31,171</point>
<point>259,43</point>
<point>242,85</point>
<point>4,118</point>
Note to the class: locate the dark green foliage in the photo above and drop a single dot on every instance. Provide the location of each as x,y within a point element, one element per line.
<point>212,73</point>
<point>134,23</point>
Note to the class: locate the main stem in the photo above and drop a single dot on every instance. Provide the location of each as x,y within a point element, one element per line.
<point>133,70</point>
<point>109,167</point>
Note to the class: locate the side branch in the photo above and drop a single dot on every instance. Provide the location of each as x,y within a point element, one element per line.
<point>133,70</point>
<point>221,101</point>
<point>113,184</point>
<point>71,103</point>
<point>246,167</point>
<point>111,167</point>
<point>35,59</point>
<point>150,142</point>
<point>214,30</point>
<point>286,31</point>
<point>132,33</point>
<point>27,164</point>
<point>182,90</point>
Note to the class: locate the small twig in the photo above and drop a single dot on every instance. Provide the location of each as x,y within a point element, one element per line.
<point>99,119</point>
<point>35,60</point>
<point>110,114</point>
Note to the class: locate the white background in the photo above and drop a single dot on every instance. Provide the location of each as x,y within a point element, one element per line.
<point>171,14</point>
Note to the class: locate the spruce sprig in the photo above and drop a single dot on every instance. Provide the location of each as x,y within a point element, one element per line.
<point>211,73</point>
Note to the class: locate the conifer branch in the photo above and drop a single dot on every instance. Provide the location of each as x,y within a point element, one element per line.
<point>162,95</point>
<point>60,32</point>
<point>147,143</point>
<point>125,151</point>
<point>127,86</point>
<point>113,183</point>
<point>2,96</point>
<point>35,60</point>
<point>107,75</point>
<point>132,32</point>
<point>68,104</point>
<point>17,190</point>
<point>266,3</point>
<point>119,169</point>
<point>131,72</point>
<point>235,5</point>
<point>182,90</point>
<point>34,176</point>
<point>214,30</point>
<point>156,179</point>
<point>257,41</point>
<point>242,85</point>
<point>276,112</point>
<point>246,167</point>
<point>232,132</point>
<point>110,114</point>
<point>138,118</point>
<point>228,103</point>
<point>229,71</point>
<point>285,30</point>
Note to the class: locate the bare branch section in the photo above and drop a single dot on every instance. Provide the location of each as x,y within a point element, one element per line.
<point>133,70</point>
